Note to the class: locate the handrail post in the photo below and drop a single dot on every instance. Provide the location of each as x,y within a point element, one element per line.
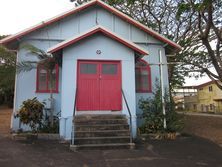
<point>130,115</point>
<point>73,117</point>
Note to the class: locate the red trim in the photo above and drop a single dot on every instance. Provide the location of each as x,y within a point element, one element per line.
<point>105,6</point>
<point>93,31</point>
<point>147,68</point>
<point>47,81</point>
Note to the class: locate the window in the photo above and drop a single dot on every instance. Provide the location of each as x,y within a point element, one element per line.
<point>87,68</point>
<point>143,77</point>
<point>202,107</point>
<point>194,106</point>
<point>43,81</point>
<point>210,88</point>
<point>110,69</point>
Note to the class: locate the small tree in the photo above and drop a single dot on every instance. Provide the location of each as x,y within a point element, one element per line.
<point>31,113</point>
<point>7,75</point>
<point>153,115</point>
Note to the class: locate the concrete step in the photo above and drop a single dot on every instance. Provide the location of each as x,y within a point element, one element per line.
<point>100,121</point>
<point>103,146</point>
<point>101,132</point>
<point>99,116</point>
<point>102,140</point>
<point>105,133</point>
<point>101,127</point>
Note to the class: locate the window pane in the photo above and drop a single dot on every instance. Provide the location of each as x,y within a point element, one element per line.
<point>145,84</point>
<point>138,86</point>
<point>53,80</point>
<point>42,79</point>
<point>142,79</point>
<point>109,69</point>
<point>88,68</point>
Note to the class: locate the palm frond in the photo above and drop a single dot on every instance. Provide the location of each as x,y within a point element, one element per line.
<point>26,66</point>
<point>36,51</point>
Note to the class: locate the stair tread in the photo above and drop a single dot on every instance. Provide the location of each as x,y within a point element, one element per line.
<point>102,131</point>
<point>101,125</point>
<point>112,137</point>
<point>100,115</point>
<point>105,144</point>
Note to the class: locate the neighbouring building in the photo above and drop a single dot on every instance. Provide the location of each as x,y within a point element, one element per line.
<point>208,98</point>
<point>105,55</point>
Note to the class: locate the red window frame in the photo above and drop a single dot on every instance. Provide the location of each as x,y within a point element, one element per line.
<point>56,90</point>
<point>140,69</point>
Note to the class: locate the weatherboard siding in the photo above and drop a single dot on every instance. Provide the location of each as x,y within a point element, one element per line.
<point>70,26</point>
<point>86,50</point>
<point>26,82</point>
<point>89,18</point>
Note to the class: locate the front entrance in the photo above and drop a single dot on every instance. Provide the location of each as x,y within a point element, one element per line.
<point>99,86</point>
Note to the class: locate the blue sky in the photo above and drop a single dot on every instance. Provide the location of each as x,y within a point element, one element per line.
<point>16,15</point>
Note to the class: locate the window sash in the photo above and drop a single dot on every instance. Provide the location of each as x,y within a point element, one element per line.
<point>46,89</point>
<point>143,76</point>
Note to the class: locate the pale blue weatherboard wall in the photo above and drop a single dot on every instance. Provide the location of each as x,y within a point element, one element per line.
<point>71,26</point>
<point>26,81</point>
<point>86,50</point>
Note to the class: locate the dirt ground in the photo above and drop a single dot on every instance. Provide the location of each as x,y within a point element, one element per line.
<point>187,151</point>
<point>5,120</point>
<point>183,152</point>
<point>209,127</point>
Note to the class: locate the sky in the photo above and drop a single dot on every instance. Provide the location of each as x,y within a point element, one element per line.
<point>17,15</point>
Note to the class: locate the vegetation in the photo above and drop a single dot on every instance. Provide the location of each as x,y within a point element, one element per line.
<point>46,128</point>
<point>153,115</point>
<point>7,75</point>
<point>31,113</point>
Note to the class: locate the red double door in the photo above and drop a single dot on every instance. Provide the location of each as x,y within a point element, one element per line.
<point>99,86</point>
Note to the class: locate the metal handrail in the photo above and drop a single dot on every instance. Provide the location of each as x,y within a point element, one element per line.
<point>130,115</point>
<point>73,117</point>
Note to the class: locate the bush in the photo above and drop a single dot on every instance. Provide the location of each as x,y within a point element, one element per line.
<point>31,113</point>
<point>46,128</point>
<point>153,115</point>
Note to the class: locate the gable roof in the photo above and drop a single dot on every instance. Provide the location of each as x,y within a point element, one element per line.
<point>95,30</point>
<point>205,84</point>
<point>84,6</point>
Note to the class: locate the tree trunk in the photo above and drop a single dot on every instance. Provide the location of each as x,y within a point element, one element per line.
<point>51,120</point>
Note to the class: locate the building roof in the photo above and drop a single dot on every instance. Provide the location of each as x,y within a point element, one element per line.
<point>199,86</point>
<point>111,9</point>
<point>205,84</point>
<point>95,30</point>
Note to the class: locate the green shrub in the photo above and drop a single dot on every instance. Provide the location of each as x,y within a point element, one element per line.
<point>153,115</point>
<point>46,128</point>
<point>31,113</point>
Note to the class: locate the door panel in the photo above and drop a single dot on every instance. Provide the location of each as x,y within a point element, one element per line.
<point>110,88</point>
<point>88,86</point>
<point>99,86</point>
